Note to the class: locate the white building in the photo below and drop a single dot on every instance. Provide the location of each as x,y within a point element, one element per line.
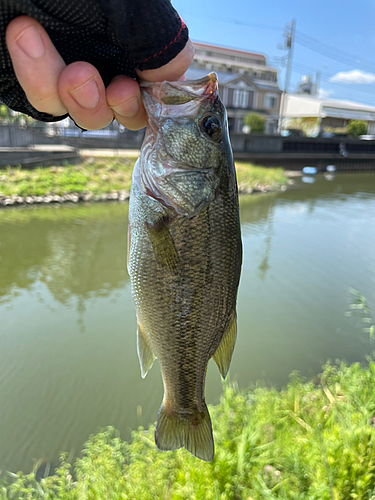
<point>329,112</point>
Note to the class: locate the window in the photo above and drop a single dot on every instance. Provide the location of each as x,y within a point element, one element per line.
<point>240,98</point>
<point>239,125</point>
<point>270,101</point>
<point>271,127</point>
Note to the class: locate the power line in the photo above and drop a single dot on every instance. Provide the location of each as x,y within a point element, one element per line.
<point>255,25</point>
<point>305,68</point>
<point>335,49</point>
<point>331,52</point>
<point>307,41</point>
<point>314,45</point>
<point>240,23</point>
<point>302,68</point>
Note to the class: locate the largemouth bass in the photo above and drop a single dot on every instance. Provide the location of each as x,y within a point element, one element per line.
<point>185,253</point>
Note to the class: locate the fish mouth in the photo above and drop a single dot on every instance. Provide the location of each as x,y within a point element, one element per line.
<point>205,85</point>
<point>180,92</point>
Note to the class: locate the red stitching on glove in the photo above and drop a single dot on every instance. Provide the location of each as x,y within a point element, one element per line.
<point>183,25</point>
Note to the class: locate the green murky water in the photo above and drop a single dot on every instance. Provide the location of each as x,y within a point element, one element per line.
<point>68,362</point>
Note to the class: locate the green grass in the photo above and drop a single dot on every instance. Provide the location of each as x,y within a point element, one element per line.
<point>110,174</point>
<point>97,177</point>
<point>313,440</point>
<point>255,177</point>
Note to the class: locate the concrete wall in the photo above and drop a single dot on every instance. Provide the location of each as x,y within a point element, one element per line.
<point>294,153</point>
<point>256,143</point>
<point>30,159</point>
<point>11,136</point>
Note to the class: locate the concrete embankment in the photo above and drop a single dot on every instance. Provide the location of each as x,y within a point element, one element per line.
<point>295,153</point>
<point>39,155</point>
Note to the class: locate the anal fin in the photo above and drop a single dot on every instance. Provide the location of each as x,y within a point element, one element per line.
<point>223,354</point>
<point>145,354</point>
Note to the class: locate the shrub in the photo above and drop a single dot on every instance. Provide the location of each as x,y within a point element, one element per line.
<point>309,441</point>
<point>356,128</point>
<point>3,112</point>
<point>308,125</point>
<point>255,122</point>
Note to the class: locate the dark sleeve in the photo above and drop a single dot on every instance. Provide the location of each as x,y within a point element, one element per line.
<point>116,36</point>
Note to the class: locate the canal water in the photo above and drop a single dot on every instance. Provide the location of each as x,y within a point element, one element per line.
<point>68,362</point>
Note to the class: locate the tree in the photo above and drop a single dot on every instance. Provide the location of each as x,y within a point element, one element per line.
<point>255,122</point>
<point>356,128</point>
<point>308,124</point>
<point>4,116</point>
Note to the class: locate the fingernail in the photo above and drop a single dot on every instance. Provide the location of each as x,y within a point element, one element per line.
<point>87,95</point>
<point>128,108</point>
<point>31,43</point>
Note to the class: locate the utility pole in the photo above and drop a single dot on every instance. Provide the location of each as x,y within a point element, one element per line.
<point>317,83</point>
<point>289,34</point>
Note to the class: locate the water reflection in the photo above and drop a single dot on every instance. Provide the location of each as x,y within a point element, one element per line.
<point>308,179</point>
<point>256,209</point>
<point>264,266</point>
<point>303,249</point>
<point>77,253</point>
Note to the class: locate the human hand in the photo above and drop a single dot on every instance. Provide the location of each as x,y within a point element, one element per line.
<point>54,88</point>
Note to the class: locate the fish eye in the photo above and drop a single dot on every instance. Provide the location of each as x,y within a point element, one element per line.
<point>211,126</point>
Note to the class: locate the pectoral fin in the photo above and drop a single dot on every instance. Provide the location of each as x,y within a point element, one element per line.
<point>163,245</point>
<point>145,354</point>
<point>223,354</point>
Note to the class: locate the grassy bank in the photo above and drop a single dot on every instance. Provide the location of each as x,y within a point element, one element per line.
<point>252,178</point>
<point>107,175</point>
<point>312,440</point>
<point>95,176</point>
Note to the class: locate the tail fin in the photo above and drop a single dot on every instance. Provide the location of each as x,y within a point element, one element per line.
<point>193,431</point>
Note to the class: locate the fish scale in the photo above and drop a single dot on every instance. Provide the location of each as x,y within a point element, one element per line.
<point>185,253</point>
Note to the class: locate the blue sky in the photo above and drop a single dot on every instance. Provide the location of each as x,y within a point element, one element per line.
<point>346,25</point>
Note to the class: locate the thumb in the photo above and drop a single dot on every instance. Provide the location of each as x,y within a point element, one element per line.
<point>173,70</point>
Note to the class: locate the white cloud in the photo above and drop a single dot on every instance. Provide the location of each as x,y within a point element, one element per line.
<point>323,94</point>
<point>354,76</point>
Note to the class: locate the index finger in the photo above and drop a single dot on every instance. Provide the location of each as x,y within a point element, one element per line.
<point>36,63</point>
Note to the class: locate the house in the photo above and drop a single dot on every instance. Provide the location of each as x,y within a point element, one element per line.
<point>330,113</point>
<point>246,83</point>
